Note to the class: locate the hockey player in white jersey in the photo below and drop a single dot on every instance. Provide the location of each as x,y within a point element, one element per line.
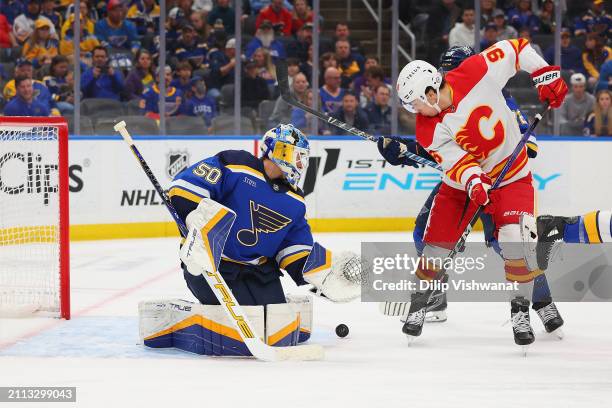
<point>464,123</point>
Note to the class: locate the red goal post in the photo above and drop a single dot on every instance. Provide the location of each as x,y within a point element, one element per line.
<point>34,217</point>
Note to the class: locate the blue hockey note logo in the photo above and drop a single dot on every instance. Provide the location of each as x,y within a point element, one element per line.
<point>263,220</point>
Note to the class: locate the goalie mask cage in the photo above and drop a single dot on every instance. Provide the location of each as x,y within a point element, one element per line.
<point>34,227</point>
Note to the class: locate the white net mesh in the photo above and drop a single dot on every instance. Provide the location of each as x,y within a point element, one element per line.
<point>29,219</point>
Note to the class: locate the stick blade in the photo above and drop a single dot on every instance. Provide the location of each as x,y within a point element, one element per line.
<point>307,352</point>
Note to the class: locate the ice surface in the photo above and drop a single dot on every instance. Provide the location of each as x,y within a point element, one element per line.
<point>469,361</point>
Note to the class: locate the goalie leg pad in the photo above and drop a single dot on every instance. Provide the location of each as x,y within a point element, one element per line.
<point>192,327</point>
<point>206,329</point>
<point>304,307</point>
<point>209,225</point>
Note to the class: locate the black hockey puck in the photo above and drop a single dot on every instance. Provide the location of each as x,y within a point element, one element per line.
<point>342,330</point>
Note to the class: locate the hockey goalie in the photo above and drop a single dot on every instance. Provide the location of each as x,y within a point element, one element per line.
<point>247,219</point>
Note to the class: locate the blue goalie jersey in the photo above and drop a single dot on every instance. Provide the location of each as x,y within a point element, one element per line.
<point>270,216</point>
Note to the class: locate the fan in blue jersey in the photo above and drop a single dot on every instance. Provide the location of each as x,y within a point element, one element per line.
<point>250,211</point>
<point>199,104</point>
<point>392,149</point>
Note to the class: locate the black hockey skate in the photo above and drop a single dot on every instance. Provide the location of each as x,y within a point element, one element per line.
<point>550,316</point>
<point>521,326</point>
<point>436,308</point>
<point>550,232</point>
<point>413,326</point>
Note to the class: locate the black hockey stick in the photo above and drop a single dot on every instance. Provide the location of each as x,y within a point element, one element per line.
<point>282,76</point>
<point>423,298</point>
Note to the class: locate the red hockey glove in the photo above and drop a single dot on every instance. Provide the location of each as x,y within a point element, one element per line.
<point>551,87</point>
<point>478,188</point>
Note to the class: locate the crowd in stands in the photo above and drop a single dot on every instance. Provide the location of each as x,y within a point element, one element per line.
<point>120,46</point>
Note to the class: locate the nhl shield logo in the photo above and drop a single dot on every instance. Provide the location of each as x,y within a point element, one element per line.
<point>176,162</point>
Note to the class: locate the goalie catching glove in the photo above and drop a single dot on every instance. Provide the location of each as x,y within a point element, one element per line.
<point>336,277</point>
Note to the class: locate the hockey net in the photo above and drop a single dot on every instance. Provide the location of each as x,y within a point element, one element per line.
<point>34,228</point>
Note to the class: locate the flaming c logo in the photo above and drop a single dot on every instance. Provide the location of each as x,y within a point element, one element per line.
<point>471,139</point>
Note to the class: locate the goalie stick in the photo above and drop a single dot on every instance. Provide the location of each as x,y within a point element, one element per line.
<point>224,295</point>
<point>283,84</point>
<point>423,298</point>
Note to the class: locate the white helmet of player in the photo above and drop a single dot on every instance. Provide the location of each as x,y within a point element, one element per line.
<point>413,81</point>
<point>289,149</point>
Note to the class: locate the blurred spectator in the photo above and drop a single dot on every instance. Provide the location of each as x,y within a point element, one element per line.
<point>144,14</point>
<point>265,68</point>
<point>599,121</point>
<point>350,64</point>
<point>282,110</point>
<point>254,87</point>
<point>141,75</point>
<point>24,103</point>
<point>595,20</point>
<point>23,25</point>
<point>489,36</point>
<point>375,77</point>
<point>331,93</point>
<point>174,22</point>
<point>101,80</point>
<point>185,10</point>
<point>306,67</point>
<point>578,103</point>
<point>571,57</point>
<point>379,112</point>
<point>361,80</point>
<point>225,13</point>
<point>343,33</point>
<point>60,84</point>
<point>199,104</point>
<point>40,48</point>
<point>7,40</point>
<point>300,118</point>
<point>302,14</point>
<point>190,48</point>
<point>277,15</point>
<point>547,17</point>
<point>594,55</point>
<point>222,60</point>
<point>504,31</point>
<point>351,114</point>
<point>522,16</point>
<point>463,33</point>
<point>298,48</point>
<point>182,82</point>
<point>605,76</point>
<point>198,21</point>
<point>150,97</point>
<point>47,9</point>
<point>264,38</point>
<point>115,31</point>
<point>487,8</point>
<point>327,60</point>
<point>525,33</point>
<point>443,14</point>
<point>86,22</point>
<point>12,8</point>
<point>293,68</point>
<point>257,5</point>
<point>88,39</point>
<point>41,93</point>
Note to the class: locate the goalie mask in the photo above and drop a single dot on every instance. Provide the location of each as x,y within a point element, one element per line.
<point>288,148</point>
<point>413,82</point>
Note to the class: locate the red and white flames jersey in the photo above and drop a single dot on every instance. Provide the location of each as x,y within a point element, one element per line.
<point>479,132</point>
